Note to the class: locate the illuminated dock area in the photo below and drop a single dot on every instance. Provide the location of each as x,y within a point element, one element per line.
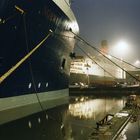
<point>111,126</point>
<point>110,130</point>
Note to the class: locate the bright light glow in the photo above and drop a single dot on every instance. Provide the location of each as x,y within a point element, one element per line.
<point>137,63</point>
<point>122,46</point>
<point>121,114</point>
<point>121,49</point>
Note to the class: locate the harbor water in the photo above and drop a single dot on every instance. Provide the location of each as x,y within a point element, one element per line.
<point>72,121</point>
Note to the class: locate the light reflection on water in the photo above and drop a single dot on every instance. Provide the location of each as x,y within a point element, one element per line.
<point>84,112</point>
<point>87,108</point>
<point>68,122</point>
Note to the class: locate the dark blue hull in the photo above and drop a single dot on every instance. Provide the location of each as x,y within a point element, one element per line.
<point>23,25</point>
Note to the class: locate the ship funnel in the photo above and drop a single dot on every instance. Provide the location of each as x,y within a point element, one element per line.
<point>104,46</point>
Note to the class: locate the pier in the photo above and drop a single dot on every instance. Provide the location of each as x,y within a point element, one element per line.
<point>110,129</point>
<point>105,91</point>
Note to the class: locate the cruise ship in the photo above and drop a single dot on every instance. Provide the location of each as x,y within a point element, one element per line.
<point>36,43</point>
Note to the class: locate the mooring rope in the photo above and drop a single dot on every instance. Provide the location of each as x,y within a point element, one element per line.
<point>95,62</point>
<point>11,70</point>
<point>84,41</point>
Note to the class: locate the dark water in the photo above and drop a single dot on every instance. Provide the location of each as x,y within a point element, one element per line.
<point>73,121</point>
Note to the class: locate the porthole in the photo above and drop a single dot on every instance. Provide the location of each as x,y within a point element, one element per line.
<point>39,85</point>
<point>30,85</point>
<point>47,84</point>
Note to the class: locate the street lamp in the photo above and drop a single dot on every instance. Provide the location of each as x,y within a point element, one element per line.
<point>122,45</point>
<point>121,49</point>
<point>87,73</point>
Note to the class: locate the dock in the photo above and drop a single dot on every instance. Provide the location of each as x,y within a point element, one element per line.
<point>109,91</point>
<point>111,126</point>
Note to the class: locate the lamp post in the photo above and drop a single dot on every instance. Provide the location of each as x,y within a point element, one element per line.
<point>87,73</point>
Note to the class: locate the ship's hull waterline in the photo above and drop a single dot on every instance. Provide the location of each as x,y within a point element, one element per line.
<point>42,79</point>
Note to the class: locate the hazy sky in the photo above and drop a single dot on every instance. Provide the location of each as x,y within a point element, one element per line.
<point>111,20</point>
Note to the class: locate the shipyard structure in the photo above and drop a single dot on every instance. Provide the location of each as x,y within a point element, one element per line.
<point>85,72</point>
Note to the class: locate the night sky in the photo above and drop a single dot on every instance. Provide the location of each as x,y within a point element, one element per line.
<point>111,20</point>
